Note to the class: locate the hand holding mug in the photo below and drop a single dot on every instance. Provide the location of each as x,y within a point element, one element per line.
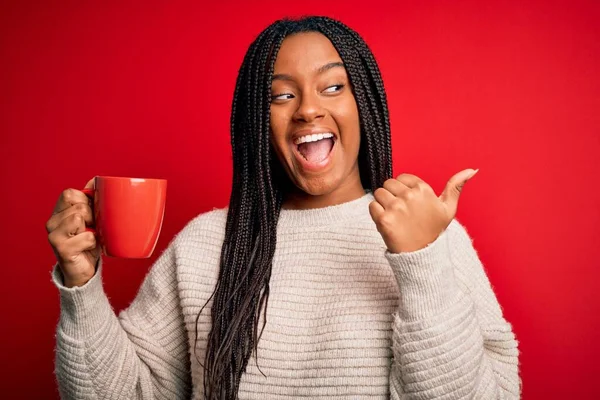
<point>408,213</point>
<point>75,247</point>
<point>126,215</point>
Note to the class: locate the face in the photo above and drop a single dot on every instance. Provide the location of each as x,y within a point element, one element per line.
<point>315,128</point>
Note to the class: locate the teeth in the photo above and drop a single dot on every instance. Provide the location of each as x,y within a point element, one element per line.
<point>313,138</point>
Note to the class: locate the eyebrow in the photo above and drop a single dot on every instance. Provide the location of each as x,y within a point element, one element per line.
<point>323,68</point>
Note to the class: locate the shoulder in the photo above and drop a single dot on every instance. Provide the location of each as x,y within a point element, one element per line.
<point>207,227</point>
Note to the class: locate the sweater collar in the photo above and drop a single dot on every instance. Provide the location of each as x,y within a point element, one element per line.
<point>326,215</point>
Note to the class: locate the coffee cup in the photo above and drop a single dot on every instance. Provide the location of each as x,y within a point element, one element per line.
<point>128,214</point>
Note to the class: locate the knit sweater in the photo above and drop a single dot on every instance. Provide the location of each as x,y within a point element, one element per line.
<point>346,319</point>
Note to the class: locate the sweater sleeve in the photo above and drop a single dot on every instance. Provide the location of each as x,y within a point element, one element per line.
<point>450,340</point>
<point>140,354</point>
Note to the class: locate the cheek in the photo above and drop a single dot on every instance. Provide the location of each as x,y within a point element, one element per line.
<point>352,114</point>
<point>348,121</point>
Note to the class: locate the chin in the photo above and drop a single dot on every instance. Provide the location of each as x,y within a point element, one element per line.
<point>318,186</point>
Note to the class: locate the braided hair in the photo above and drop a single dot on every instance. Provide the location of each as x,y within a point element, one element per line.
<point>242,289</point>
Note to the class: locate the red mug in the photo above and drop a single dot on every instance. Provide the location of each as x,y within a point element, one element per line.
<point>128,214</point>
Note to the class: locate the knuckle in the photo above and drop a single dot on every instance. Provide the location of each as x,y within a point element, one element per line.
<point>386,220</point>
<point>372,206</point>
<point>397,205</point>
<point>83,209</point>
<point>52,239</point>
<point>72,257</point>
<point>65,253</point>
<point>72,223</point>
<point>409,195</point>
<point>68,195</point>
<point>49,226</point>
<point>92,238</point>
<point>389,184</point>
<point>61,250</point>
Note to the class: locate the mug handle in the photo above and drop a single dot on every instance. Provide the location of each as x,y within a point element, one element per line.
<point>90,193</point>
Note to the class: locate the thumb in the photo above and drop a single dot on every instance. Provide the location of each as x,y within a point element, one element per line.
<point>453,188</point>
<point>90,184</point>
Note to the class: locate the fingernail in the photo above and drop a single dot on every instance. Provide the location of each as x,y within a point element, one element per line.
<point>473,174</point>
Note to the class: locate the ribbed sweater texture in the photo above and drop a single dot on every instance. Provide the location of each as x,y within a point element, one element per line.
<point>346,319</point>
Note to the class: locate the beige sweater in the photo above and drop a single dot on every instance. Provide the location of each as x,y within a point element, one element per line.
<point>345,320</point>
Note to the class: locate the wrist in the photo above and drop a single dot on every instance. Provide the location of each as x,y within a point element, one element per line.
<point>425,279</point>
<point>76,281</point>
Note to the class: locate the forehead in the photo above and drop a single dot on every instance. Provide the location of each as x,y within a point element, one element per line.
<point>305,52</point>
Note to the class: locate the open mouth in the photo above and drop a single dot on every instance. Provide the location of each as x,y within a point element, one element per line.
<point>315,148</point>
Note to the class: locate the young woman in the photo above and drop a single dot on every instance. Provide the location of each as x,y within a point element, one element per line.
<point>324,278</point>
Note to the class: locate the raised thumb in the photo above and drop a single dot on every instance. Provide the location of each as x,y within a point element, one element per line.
<point>453,188</point>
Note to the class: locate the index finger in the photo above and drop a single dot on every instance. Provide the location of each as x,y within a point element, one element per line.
<point>70,197</point>
<point>409,180</point>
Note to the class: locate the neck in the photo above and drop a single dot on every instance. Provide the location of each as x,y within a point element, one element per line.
<point>350,189</point>
<point>342,213</point>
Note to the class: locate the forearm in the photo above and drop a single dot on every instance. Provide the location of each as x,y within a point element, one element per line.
<point>100,355</point>
<point>94,356</point>
<point>441,347</point>
<point>447,357</point>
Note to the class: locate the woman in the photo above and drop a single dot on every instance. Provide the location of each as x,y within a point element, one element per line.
<point>324,278</point>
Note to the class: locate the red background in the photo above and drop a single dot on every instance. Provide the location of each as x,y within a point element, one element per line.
<point>512,88</point>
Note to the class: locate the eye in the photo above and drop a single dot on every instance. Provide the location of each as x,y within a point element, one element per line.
<point>334,88</point>
<point>282,96</point>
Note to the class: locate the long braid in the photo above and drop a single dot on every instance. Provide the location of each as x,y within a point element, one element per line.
<point>372,104</point>
<point>242,289</point>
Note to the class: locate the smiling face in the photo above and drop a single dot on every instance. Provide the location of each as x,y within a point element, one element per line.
<point>315,129</point>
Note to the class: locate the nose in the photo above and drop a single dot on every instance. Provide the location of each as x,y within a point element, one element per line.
<point>309,109</point>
